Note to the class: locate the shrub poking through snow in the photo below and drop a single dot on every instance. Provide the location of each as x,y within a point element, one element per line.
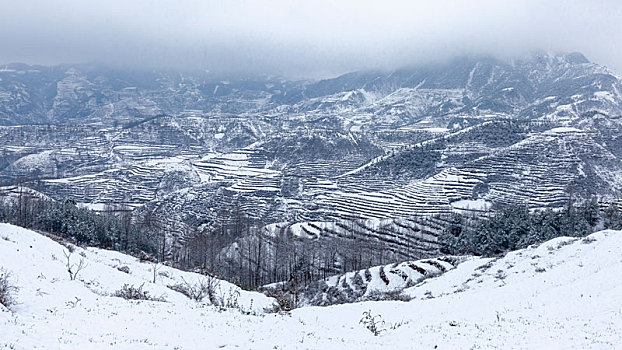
<point>436,264</point>
<point>74,269</point>
<point>205,287</point>
<point>383,276</point>
<point>230,300</point>
<point>395,295</point>
<point>186,290</point>
<point>344,283</point>
<point>129,292</point>
<point>285,300</point>
<point>367,275</point>
<point>7,289</point>
<point>419,269</point>
<point>358,282</point>
<point>374,324</point>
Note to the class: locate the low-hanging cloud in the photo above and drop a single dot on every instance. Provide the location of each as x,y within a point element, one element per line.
<point>302,38</point>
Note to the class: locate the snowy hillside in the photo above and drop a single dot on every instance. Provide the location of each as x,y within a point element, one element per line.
<point>375,283</point>
<point>566,293</point>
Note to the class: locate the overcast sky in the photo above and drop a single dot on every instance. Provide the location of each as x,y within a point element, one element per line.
<point>313,38</point>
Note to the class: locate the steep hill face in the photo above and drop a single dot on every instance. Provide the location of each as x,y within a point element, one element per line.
<point>507,162</point>
<point>560,86</point>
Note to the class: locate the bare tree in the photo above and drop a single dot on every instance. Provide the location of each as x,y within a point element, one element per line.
<point>74,269</point>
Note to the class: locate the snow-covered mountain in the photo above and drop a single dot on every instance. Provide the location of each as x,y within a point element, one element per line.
<point>538,86</point>
<point>564,293</point>
<point>383,156</point>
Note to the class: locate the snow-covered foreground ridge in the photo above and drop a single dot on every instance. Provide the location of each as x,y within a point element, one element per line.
<point>566,293</point>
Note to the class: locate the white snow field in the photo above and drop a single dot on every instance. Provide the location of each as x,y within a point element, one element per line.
<point>564,294</point>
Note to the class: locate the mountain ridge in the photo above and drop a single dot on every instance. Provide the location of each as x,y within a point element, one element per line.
<point>76,92</point>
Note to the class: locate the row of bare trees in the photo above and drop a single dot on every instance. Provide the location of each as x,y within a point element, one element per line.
<point>240,249</point>
<point>252,256</point>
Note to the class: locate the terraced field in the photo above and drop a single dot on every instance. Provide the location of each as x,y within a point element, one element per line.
<point>539,170</point>
<point>377,282</point>
<point>408,238</point>
<point>381,156</point>
<point>431,196</point>
<point>401,198</point>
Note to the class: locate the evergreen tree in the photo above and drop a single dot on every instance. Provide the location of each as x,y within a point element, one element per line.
<point>612,218</point>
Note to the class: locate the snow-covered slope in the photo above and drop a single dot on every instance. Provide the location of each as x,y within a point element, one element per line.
<point>385,282</point>
<point>83,312</point>
<point>565,293</point>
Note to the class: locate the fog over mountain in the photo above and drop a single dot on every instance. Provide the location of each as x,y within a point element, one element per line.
<point>302,39</point>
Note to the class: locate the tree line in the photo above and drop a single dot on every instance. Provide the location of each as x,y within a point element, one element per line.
<point>249,255</point>
<point>239,250</point>
<point>516,226</point>
<point>113,228</point>
<point>243,251</point>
